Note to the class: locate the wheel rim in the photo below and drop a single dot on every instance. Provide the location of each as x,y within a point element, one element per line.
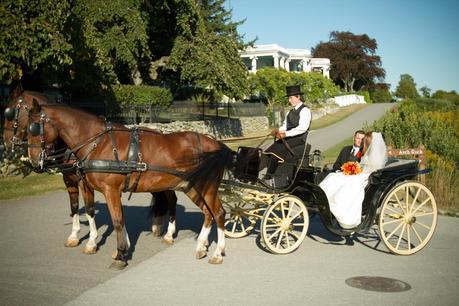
<point>408,218</point>
<point>238,222</point>
<point>285,224</point>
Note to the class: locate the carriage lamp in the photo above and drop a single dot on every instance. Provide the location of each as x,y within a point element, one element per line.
<point>316,159</point>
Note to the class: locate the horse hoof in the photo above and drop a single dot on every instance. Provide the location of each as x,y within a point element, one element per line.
<point>156,233</point>
<point>89,250</point>
<point>118,265</point>
<point>71,243</point>
<point>201,254</point>
<point>215,260</point>
<point>114,254</point>
<point>169,241</point>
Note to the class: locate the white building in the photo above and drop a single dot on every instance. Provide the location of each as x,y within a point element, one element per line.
<point>274,55</point>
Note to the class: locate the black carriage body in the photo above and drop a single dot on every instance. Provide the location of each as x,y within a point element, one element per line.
<point>379,184</point>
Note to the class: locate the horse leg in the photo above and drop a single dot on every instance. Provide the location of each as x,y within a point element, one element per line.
<point>88,196</point>
<point>159,212</point>
<point>171,206</point>
<point>71,183</point>
<point>203,242</point>
<point>115,208</point>
<point>218,212</point>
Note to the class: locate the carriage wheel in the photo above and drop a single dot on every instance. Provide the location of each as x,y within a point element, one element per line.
<point>285,224</point>
<point>238,222</point>
<point>408,218</point>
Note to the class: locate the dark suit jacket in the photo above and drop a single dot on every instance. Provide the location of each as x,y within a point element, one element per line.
<point>343,157</point>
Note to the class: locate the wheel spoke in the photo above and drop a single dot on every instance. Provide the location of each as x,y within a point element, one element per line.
<point>417,234</point>
<point>234,226</point>
<point>424,214</point>
<point>415,199</point>
<point>298,224</point>
<point>272,225</point>
<point>282,210</point>
<point>296,215</point>
<point>396,229</point>
<point>399,203</point>
<point>420,205</point>
<point>290,208</point>
<point>423,225</point>
<point>242,224</point>
<point>288,241</point>
<point>279,239</point>
<point>272,235</point>
<point>400,237</point>
<point>393,221</point>
<point>394,211</point>
<point>409,236</point>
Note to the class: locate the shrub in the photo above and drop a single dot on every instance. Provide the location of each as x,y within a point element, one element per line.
<point>380,96</point>
<point>141,95</point>
<point>365,94</point>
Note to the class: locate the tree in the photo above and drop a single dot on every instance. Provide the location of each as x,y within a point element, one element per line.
<point>218,20</point>
<point>406,88</point>
<point>425,91</point>
<point>32,36</point>
<point>112,36</point>
<point>353,59</point>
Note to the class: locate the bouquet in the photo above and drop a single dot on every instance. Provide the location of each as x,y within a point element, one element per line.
<point>351,168</point>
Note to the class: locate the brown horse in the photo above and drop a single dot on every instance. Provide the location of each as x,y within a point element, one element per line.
<point>15,137</point>
<point>185,161</point>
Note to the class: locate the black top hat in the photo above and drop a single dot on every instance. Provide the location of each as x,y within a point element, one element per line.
<point>294,90</point>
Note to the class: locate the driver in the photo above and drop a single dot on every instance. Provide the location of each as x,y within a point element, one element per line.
<point>292,133</point>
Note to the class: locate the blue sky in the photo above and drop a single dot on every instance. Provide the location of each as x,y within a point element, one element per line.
<point>417,37</point>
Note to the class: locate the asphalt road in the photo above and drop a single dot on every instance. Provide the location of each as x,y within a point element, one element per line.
<point>329,136</point>
<point>36,268</point>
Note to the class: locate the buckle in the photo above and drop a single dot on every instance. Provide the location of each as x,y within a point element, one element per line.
<point>142,167</point>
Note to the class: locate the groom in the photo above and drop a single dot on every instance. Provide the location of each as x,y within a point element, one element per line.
<point>348,153</point>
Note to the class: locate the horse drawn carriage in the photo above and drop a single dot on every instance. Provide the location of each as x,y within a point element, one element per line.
<point>404,209</point>
<point>111,159</point>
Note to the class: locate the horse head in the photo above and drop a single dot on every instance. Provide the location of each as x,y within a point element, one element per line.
<point>41,136</point>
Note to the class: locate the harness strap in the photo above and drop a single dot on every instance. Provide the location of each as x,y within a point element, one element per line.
<point>132,156</point>
<point>124,167</point>
<point>108,126</point>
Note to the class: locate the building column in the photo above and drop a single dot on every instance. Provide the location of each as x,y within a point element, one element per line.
<point>276,61</point>
<point>282,62</point>
<point>254,64</point>
<point>287,64</point>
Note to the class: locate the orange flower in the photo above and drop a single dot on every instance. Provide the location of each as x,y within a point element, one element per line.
<point>351,168</point>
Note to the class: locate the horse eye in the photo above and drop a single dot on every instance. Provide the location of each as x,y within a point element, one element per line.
<point>9,113</point>
<point>34,129</point>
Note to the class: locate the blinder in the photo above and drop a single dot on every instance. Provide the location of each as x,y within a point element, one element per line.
<point>10,113</point>
<point>35,128</point>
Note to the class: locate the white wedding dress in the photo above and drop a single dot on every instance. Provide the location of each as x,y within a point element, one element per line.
<point>345,193</point>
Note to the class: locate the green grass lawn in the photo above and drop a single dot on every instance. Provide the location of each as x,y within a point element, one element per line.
<point>16,187</point>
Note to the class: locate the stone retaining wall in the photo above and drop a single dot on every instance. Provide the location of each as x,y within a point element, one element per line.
<point>219,128</point>
<point>226,128</point>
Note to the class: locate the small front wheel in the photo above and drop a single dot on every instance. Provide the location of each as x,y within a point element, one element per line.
<point>284,225</point>
<point>239,221</point>
<point>408,218</point>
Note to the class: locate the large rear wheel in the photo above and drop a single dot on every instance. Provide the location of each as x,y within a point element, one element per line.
<point>408,218</point>
<point>284,225</point>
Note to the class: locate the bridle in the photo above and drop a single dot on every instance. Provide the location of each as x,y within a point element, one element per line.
<point>12,114</point>
<point>38,129</point>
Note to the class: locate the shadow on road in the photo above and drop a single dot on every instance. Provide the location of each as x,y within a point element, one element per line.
<point>138,221</point>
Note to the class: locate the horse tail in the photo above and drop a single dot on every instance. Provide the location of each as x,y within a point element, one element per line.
<point>210,168</point>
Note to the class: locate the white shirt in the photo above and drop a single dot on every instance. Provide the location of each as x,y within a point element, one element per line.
<point>303,125</point>
<point>355,150</point>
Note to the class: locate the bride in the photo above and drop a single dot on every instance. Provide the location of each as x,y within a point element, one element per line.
<point>345,193</point>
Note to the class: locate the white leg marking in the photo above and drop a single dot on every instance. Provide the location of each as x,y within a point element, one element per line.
<point>170,231</point>
<point>75,227</point>
<point>157,225</point>
<point>202,239</point>
<point>92,231</point>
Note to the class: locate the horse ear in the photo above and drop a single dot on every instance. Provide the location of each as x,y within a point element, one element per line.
<point>36,108</point>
